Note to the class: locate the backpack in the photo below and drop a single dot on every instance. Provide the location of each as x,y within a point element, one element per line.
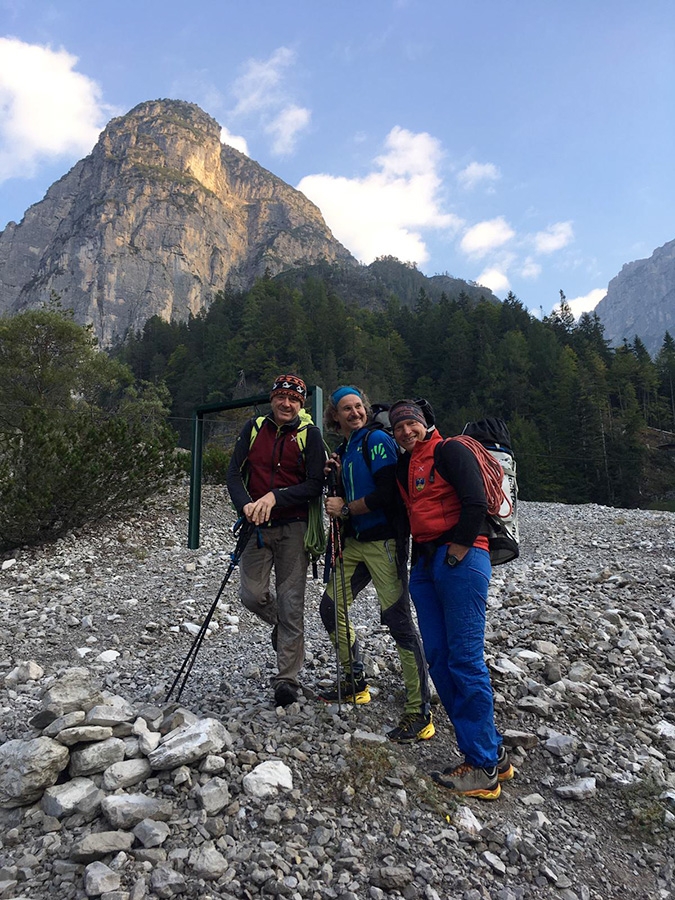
<point>493,438</point>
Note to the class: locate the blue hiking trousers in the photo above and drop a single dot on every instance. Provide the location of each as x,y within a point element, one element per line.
<point>450,604</point>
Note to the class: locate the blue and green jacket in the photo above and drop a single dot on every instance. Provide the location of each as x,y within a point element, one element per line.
<point>373,479</point>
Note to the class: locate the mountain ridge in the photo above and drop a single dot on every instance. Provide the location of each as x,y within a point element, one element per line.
<point>157,219</point>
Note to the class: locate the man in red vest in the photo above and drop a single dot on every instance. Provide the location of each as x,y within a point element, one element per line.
<point>275,470</point>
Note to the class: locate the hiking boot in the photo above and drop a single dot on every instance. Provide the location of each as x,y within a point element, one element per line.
<point>285,694</point>
<point>412,727</point>
<point>471,781</point>
<point>505,770</point>
<point>275,637</point>
<point>362,694</point>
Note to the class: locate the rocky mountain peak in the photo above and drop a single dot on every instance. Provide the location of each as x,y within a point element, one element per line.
<point>640,300</point>
<point>157,219</point>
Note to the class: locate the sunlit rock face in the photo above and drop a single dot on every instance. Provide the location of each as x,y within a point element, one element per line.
<point>157,219</point>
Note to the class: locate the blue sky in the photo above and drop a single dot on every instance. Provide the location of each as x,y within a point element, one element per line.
<point>524,144</point>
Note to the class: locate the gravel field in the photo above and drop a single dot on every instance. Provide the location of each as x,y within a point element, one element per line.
<point>581,645</point>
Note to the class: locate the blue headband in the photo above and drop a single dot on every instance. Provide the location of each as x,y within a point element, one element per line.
<point>341,392</point>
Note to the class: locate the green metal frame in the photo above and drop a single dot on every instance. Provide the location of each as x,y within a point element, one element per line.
<point>315,394</point>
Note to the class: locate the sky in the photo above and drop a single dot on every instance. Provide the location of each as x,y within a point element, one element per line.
<point>527,145</point>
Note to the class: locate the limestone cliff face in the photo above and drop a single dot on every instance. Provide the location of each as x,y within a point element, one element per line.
<point>154,221</point>
<point>641,300</point>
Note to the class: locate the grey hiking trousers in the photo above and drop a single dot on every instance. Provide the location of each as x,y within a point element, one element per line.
<point>283,549</point>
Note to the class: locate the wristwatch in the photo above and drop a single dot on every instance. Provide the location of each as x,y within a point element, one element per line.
<point>344,512</point>
<point>451,560</point>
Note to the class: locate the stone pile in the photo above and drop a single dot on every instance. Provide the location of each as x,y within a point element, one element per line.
<point>107,790</point>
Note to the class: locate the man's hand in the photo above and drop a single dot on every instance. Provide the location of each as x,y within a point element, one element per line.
<point>259,511</point>
<point>334,506</point>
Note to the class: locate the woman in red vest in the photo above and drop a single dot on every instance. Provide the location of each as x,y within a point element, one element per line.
<point>444,494</point>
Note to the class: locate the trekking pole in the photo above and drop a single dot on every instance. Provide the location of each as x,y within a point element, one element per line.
<point>337,538</point>
<point>333,563</point>
<point>334,531</point>
<point>346,613</point>
<point>245,530</point>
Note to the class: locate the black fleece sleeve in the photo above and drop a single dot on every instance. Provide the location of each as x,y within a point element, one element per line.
<point>459,467</point>
<point>235,481</point>
<point>384,496</point>
<point>312,486</point>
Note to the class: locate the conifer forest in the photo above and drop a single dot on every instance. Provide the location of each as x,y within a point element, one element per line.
<point>585,418</point>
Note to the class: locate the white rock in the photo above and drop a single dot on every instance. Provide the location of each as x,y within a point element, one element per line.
<point>189,743</point>
<point>369,737</point>
<point>561,744</point>
<point>151,833</point>
<point>96,757</point>
<point>69,720</point>
<point>23,673</point>
<point>76,795</point>
<point>267,779</point>
<point>213,796</point>
<point>666,729</point>
<point>99,879</point>
<point>108,714</point>
<point>82,734</point>
<point>207,862</point>
<point>75,689</point>
<point>108,656</point>
<point>580,671</point>
<point>149,741</point>
<point>533,800</point>
<point>466,820</point>
<point>27,768</point>
<point>126,773</point>
<point>583,789</point>
<point>100,844</point>
<point>494,862</point>
<point>127,810</point>
<point>505,666</point>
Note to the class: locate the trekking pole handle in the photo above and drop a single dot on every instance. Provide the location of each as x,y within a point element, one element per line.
<point>332,479</point>
<point>237,525</point>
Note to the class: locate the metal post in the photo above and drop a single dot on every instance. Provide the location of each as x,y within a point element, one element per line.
<point>197,449</point>
<point>317,407</point>
<point>196,480</point>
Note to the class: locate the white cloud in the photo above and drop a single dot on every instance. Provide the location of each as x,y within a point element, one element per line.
<point>260,86</point>
<point>476,173</point>
<point>530,269</point>
<point>555,237</point>
<point>588,302</point>
<point>262,92</point>
<point>48,109</point>
<point>495,279</point>
<point>486,236</point>
<point>286,127</point>
<point>234,140</point>
<point>386,211</point>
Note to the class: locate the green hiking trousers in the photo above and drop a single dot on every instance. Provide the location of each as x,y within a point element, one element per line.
<point>363,562</point>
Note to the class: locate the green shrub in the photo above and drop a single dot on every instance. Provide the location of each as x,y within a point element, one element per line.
<point>215,463</point>
<point>78,439</point>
